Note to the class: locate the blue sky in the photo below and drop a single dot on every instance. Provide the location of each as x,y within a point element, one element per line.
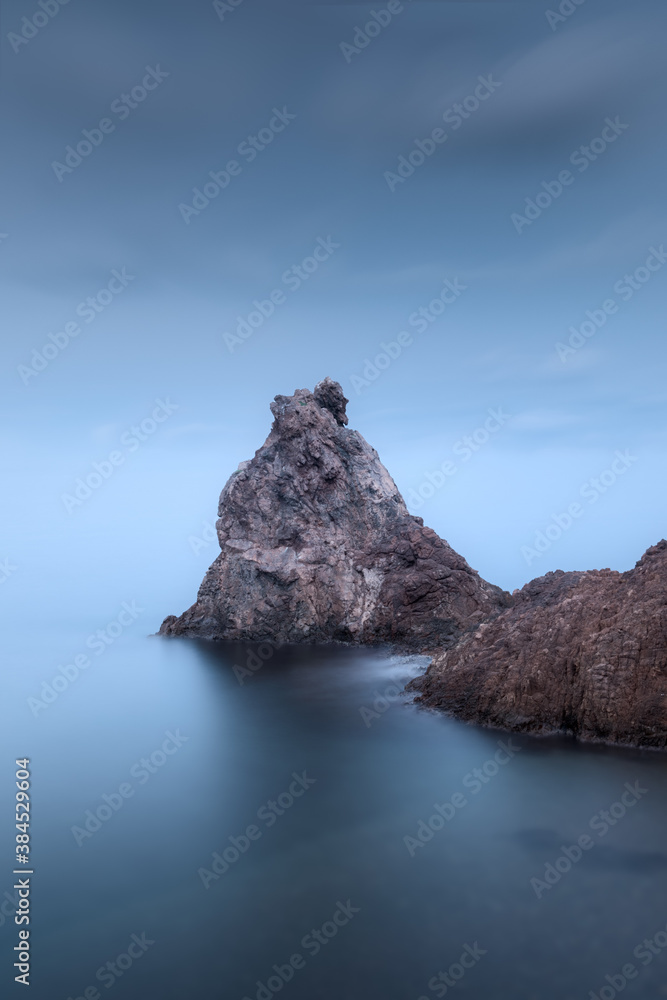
<point>321,180</point>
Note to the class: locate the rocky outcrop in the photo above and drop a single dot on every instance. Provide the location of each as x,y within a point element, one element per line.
<point>317,545</point>
<point>584,653</point>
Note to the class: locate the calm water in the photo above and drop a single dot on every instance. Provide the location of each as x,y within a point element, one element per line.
<point>332,859</point>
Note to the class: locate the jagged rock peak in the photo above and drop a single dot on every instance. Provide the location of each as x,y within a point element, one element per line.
<point>327,394</point>
<point>318,545</point>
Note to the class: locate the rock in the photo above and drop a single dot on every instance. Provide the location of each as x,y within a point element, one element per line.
<point>317,545</point>
<point>584,653</point>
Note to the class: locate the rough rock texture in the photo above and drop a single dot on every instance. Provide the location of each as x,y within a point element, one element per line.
<point>579,652</point>
<point>318,546</point>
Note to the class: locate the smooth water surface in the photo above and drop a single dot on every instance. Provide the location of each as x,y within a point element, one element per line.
<point>367,781</point>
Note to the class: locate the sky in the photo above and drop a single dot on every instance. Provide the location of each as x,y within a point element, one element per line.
<point>470,194</point>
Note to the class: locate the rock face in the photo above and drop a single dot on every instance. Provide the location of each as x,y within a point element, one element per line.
<point>317,545</point>
<point>578,652</point>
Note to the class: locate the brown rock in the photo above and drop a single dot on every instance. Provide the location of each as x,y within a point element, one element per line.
<point>317,545</point>
<point>579,652</point>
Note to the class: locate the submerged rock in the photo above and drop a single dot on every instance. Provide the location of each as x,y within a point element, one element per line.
<point>584,653</point>
<point>317,545</point>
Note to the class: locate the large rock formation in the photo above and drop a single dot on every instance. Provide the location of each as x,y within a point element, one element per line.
<point>584,653</point>
<point>318,546</point>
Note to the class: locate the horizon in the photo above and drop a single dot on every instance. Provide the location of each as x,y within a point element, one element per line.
<point>516,264</point>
